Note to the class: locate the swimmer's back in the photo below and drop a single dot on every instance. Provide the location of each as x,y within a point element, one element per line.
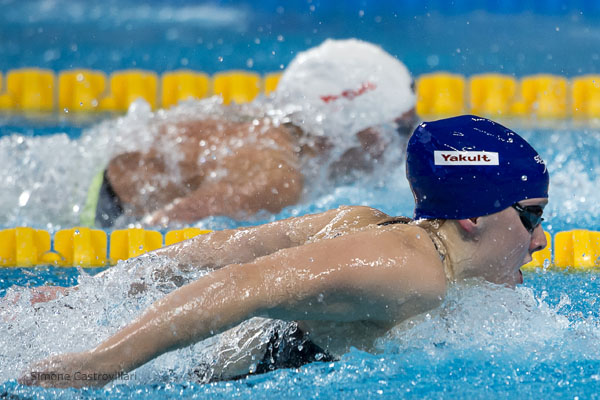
<point>396,265</point>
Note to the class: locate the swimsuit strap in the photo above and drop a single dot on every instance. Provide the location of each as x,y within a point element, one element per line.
<point>395,220</point>
<point>433,236</point>
<point>442,252</point>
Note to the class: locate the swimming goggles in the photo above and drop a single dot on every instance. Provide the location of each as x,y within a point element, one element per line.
<point>531,216</point>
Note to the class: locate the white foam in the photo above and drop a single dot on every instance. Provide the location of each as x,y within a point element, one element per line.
<point>45,179</point>
<point>497,320</point>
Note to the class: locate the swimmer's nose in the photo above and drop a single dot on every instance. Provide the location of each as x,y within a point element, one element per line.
<point>538,240</point>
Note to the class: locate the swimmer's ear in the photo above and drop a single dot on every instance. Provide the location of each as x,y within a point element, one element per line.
<point>469,225</point>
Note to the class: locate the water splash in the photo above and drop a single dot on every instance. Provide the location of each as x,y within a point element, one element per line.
<point>477,321</point>
<point>101,305</point>
<point>43,190</point>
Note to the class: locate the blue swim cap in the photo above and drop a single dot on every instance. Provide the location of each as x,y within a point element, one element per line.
<point>468,166</point>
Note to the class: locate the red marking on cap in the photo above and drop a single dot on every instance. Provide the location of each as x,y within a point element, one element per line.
<point>350,94</point>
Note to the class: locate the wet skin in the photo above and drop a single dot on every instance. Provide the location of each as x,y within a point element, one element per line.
<point>504,245</point>
<point>209,167</point>
<point>334,272</point>
<point>205,167</point>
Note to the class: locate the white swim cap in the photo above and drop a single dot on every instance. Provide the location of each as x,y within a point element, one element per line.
<point>344,86</point>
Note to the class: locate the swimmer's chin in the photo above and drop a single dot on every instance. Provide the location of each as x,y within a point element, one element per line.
<point>517,279</point>
<point>513,280</point>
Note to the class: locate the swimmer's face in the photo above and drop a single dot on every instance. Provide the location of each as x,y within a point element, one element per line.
<point>507,244</point>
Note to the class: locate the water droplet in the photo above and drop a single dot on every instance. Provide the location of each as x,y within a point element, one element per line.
<point>433,60</point>
<point>24,198</point>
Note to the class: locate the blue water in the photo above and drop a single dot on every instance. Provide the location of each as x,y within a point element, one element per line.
<point>538,341</point>
<point>512,37</point>
<point>486,360</point>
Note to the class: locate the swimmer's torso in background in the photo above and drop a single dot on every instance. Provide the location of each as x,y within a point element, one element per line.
<point>188,154</point>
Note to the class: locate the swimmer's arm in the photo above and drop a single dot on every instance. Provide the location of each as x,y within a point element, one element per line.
<point>40,294</point>
<point>344,279</point>
<point>243,245</point>
<point>221,248</point>
<point>238,246</point>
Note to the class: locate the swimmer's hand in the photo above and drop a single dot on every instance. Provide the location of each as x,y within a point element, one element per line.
<point>75,370</point>
<point>41,294</point>
<point>44,294</point>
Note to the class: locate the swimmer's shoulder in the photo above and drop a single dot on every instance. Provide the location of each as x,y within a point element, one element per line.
<point>349,219</point>
<point>360,215</point>
<point>412,246</point>
<point>396,266</point>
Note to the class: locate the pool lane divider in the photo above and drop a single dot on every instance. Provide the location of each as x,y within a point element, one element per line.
<point>439,94</point>
<point>85,247</point>
<point>81,246</point>
<point>84,90</point>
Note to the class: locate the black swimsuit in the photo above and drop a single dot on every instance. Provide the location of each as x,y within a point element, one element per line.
<point>109,205</point>
<point>395,220</point>
<point>291,348</point>
<point>288,347</point>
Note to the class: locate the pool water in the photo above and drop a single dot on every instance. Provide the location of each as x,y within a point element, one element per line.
<point>464,36</point>
<point>538,341</point>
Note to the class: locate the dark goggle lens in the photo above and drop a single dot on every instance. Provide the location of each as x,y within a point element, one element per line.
<point>531,216</point>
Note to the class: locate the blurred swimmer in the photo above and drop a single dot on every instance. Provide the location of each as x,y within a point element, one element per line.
<point>338,92</point>
<point>344,277</point>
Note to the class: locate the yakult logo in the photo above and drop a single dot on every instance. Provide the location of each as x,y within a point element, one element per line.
<point>350,94</point>
<point>465,158</point>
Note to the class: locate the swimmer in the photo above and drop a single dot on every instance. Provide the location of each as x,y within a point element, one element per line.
<point>344,277</point>
<point>208,166</point>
